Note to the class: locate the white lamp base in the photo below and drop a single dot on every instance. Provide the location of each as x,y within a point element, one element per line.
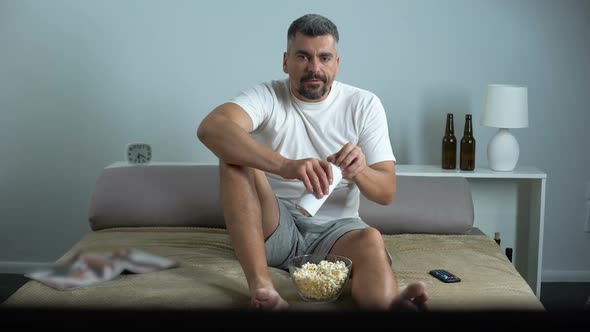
<point>503,151</point>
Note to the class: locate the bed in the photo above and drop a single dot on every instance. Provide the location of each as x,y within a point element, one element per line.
<point>172,210</point>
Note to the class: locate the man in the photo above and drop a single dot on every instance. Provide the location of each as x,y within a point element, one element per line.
<point>275,140</point>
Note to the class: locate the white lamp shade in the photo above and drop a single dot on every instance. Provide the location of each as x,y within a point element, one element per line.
<point>506,106</point>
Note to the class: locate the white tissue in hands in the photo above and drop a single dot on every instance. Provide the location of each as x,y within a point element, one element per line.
<point>309,204</point>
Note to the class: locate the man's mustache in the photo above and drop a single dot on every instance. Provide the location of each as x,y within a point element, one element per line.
<point>314,76</point>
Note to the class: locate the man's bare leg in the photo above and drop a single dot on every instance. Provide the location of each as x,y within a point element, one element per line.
<point>251,215</point>
<point>374,286</point>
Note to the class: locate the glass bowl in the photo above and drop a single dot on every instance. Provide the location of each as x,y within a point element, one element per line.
<point>319,279</point>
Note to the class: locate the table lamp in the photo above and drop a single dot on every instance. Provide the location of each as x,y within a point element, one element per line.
<point>506,107</point>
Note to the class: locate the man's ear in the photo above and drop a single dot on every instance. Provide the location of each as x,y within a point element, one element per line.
<point>285,69</point>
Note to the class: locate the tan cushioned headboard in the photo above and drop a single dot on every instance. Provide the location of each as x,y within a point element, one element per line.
<point>157,195</point>
<point>188,195</point>
<point>434,205</point>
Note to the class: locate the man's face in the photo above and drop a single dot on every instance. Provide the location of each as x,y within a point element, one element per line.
<point>312,64</point>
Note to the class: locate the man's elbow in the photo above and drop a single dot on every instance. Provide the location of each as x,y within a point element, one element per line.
<point>203,131</point>
<point>387,199</point>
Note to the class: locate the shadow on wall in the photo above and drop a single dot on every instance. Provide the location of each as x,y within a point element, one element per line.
<point>436,103</point>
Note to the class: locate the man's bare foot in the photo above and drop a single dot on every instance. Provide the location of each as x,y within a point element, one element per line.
<point>413,298</point>
<point>268,299</point>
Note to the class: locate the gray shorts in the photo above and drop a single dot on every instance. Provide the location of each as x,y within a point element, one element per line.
<point>298,235</point>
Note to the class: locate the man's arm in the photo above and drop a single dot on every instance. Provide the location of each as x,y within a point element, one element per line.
<point>225,131</point>
<point>377,182</point>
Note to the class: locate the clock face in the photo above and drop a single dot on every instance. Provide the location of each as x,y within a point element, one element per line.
<point>139,153</point>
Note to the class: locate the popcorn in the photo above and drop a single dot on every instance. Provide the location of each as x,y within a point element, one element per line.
<point>321,281</point>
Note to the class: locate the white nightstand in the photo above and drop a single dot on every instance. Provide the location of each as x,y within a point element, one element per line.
<point>512,203</point>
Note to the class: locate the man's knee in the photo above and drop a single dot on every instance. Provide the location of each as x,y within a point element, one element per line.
<point>371,240</point>
<point>232,171</point>
<point>363,240</point>
<point>231,168</point>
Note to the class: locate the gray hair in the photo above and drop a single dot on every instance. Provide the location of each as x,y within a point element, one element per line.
<point>312,25</point>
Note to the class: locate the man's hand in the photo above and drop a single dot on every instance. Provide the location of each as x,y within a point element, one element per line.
<point>315,174</point>
<point>350,159</point>
<point>376,182</point>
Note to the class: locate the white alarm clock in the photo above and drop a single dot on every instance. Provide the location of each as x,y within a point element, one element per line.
<point>139,153</point>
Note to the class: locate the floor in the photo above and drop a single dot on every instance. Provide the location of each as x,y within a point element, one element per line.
<point>565,296</point>
<point>555,296</point>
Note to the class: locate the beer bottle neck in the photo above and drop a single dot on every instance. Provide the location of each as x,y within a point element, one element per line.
<point>468,129</point>
<point>450,130</point>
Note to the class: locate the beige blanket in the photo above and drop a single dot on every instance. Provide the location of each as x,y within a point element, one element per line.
<point>210,277</point>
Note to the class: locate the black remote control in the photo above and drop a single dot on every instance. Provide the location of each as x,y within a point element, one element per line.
<point>444,276</point>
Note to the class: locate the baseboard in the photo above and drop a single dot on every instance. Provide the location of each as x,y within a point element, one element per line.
<point>21,267</point>
<point>565,276</point>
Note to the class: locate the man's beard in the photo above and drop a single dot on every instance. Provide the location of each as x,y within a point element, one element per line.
<point>311,92</point>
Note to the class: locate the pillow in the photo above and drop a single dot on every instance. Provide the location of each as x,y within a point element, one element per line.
<point>435,205</point>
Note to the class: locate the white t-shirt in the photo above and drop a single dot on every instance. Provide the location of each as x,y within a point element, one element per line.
<point>297,130</point>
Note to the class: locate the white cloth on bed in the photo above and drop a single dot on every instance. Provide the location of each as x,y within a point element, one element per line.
<point>90,268</point>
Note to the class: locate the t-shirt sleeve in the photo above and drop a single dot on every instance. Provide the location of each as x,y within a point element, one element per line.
<point>257,101</point>
<point>374,134</point>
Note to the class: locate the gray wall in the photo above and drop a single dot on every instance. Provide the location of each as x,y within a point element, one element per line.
<point>81,79</point>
